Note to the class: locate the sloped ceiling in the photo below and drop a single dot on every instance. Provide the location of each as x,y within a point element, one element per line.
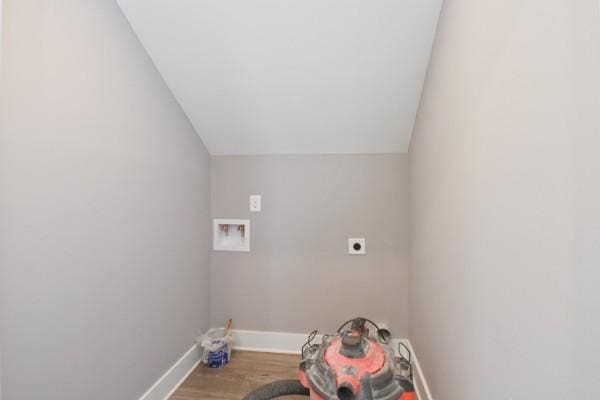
<point>292,76</point>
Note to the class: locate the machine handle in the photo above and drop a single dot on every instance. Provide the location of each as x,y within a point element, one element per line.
<point>383,335</point>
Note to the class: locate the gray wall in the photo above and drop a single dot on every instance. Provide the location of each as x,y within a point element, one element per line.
<point>505,222</point>
<point>103,208</point>
<point>298,274</point>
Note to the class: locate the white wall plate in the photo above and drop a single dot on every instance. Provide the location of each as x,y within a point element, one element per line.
<point>357,246</point>
<point>231,235</point>
<point>255,203</point>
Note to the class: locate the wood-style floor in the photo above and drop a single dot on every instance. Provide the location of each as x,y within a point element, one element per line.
<point>246,372</point>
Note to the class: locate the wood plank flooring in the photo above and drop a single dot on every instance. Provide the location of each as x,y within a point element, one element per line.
<point>246,372</point>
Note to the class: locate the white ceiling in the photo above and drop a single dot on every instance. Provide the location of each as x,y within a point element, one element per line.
<point>292,76</point>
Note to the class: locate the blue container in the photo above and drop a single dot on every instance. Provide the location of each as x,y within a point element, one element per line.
<point>218,358</point>
<point>217,347</point>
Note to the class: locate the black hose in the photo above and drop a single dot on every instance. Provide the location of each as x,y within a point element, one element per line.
<point>288,387</point>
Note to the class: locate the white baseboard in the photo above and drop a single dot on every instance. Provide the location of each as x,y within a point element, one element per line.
<point>269,342</point>
<point>291,343</point>
<point>421,387</point>
<point>174,377</point>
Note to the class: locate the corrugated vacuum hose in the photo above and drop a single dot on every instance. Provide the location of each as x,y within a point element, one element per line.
<point>287,387</point>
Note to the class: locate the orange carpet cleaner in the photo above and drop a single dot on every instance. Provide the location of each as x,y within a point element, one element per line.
<point>354,364</point>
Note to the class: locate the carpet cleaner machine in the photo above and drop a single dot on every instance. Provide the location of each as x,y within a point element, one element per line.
<point>354,364</point>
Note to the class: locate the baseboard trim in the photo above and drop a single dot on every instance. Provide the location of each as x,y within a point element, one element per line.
<point>421,386</point>
<point>174,377</point>
<point>291,343</point>
<point>268,342</point>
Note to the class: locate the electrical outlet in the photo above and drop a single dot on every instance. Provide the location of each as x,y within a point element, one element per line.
<point>255,202</point>
<point>357,246</point>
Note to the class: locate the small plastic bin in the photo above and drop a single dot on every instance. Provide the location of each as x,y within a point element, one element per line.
<point>216,344</point>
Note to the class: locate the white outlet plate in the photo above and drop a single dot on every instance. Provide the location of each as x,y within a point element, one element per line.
<point>255,202</point>
<point>357,246</point>
<point>231,234</point>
